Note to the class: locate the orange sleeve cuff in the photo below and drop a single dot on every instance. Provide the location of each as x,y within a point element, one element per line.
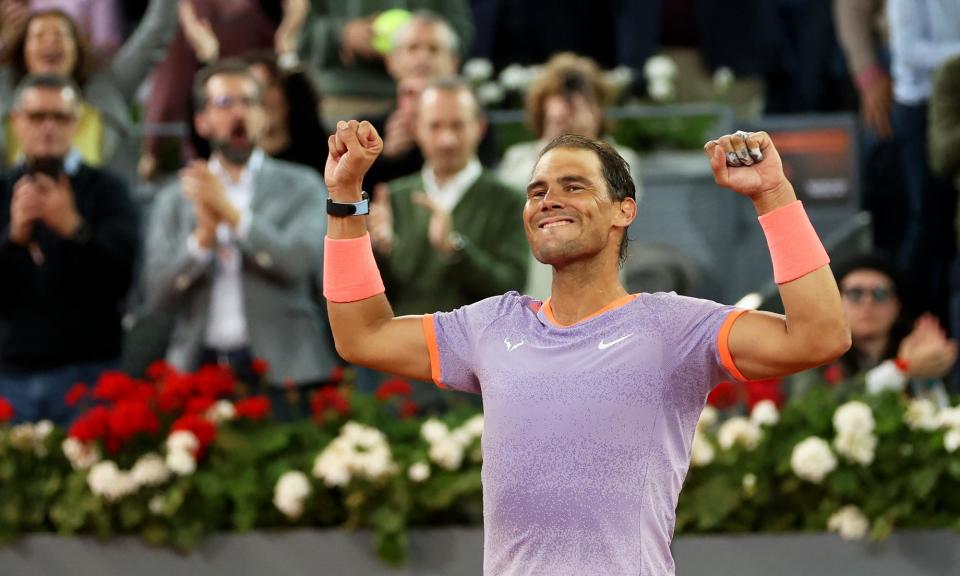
<point>723,345</point>
<point>430,335</point>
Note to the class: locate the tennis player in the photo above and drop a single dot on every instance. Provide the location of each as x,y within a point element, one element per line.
<point>591,397</point>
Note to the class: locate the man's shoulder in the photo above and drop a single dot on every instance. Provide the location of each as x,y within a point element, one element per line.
<point>488,310</point>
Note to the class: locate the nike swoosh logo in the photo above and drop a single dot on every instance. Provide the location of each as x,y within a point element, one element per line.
<point>604,345</point>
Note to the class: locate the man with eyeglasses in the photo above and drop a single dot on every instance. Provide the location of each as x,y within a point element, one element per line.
<point>234,246</point>
<point>67,249</point>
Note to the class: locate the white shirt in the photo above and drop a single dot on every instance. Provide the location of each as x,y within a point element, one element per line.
<point>449,194</point>
<point>923,34</point>
<point>226,322</point>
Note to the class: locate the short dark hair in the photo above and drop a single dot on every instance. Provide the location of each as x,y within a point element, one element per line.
<point>46,82</point>
<point>613,168</point>
<point>226,67</point>
<point>876,261</point>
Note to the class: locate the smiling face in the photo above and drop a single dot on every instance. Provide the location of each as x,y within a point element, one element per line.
<point>570,214</point>
<point>50,47</point>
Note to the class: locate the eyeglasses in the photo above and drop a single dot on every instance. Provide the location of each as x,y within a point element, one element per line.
<point>878,294</point>
<point>41,116</point>
<point>226,102</point>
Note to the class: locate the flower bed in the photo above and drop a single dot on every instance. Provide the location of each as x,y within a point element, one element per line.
<point>172,460</point>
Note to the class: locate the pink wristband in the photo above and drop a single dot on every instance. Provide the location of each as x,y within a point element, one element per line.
<point>795,248</point>
<point>350,272</point>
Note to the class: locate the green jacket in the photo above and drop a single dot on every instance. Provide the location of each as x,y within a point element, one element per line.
<point>493,259</point>
<point>320,43</point>
<point>944,123</point>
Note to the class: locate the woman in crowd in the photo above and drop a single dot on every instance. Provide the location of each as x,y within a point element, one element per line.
<point>888,352</point>
<point>50,43</point>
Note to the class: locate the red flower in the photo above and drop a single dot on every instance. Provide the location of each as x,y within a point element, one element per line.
<point>91,425</point>
<point>758,390</point>
<point>328,399</point>
<point>259,366</point>
<point>199,405</point>
<point>408,409</point>
<point>76,393</point>
<point>175,391</point>
<point>724,396</point>
<point>215,381</point>
<point>336,375</point>
<point>393,387</point>
<point>253,408</point>
<point>158,370</point>
<point>6,410</point>
<point>128,418</point>
<point>202,428</point>
<point>114,386</point>
<point>833,374</point>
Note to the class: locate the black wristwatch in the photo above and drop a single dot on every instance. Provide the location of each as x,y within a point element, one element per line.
<point>349,208</point>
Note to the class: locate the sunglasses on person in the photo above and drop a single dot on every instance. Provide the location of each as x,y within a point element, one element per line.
<point>41,116</point>
<point>878,294</point>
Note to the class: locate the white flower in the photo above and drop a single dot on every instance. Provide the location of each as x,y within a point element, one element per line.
<point>42,429</point>
<point>858,447</point>
<point>80,455</point>
<point>419,472</point>
<point>108,481</point>
<point>515,77</point>
<point>21,437</point>
<point>765,413</point>
<point>375,464</point>
<point>157,504</point>
<point>183,441</point>
<point>221,411</point>
<point>853,418</point>
<point>447,453</point>
<point>723,77</point>
<point>708,417</point>
<point>434,430</point>
<point>885,377</point>
<point>181,462</point>
<point>291,491</point>
<point>660,90</point>
<point>474,426</point>
<point>477,69</point>
<point>150,470</point>
<point>333,468</point>
<point>921,414</point>
<point>849,522</point>
<point>620,77</point>
<point>659,67</point>
<point>749,483</point>
<point>949,417</point>
<point>490,94</point>
<point>701,451</point>
<point>812,459</point>
<point>951,440</point>
<point>738,431</point>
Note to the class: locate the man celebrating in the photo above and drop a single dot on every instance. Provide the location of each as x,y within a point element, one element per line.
<point>69,237</point>
<point>591,397</point>
<point>234,247</point>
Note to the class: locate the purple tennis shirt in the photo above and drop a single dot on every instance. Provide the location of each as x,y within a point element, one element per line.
<point>587,427</point>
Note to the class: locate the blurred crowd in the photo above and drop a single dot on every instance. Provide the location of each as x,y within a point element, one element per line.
<point>220,109</point>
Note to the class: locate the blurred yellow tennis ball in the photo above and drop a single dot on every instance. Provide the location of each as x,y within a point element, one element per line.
<point>385,26</point>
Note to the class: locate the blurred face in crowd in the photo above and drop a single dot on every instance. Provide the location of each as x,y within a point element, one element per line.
<point>870,303</point>
<point>45,121</point>
<point>50,47</point>
<point>570,114</point>
<point>449,129</point>
<point>276,112</point>
<point>233,117</point>
<point>570,214</point>
<point>422,50</point>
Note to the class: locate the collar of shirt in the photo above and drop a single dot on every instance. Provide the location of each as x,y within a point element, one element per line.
<point>450,193</point>
<point>71,162</point>
<point>254,163</point>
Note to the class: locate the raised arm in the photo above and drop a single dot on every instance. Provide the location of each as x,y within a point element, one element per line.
<point>364,328</point>
<point>813,330</point>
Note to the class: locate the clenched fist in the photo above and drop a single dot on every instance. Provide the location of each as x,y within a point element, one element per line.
<point>353,149</point>
<point>748,164</point>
